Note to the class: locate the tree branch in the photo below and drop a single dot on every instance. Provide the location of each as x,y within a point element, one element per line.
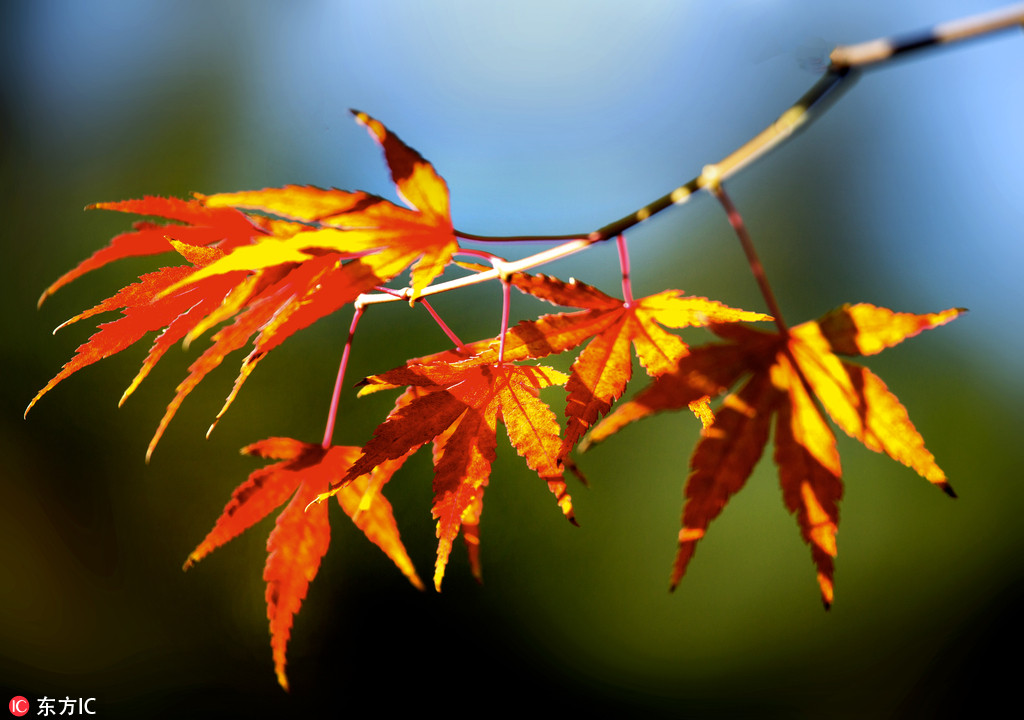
<point>846,62</point>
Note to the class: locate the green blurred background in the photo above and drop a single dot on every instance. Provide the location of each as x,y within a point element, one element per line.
<point>543,117</point>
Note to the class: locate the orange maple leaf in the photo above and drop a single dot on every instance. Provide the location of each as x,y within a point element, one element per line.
<point>145,306</point>
<point>272,304</point>
<point>269,276</point>
<point>302,533</point>
<point>602,370</point>
<point>784,373</point>
<point>386,237</point>
<point>457,407</point>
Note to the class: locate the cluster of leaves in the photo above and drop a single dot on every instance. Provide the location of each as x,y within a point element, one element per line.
<point>260,266</point>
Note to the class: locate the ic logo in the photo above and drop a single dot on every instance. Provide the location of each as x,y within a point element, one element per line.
<point>19,706</point>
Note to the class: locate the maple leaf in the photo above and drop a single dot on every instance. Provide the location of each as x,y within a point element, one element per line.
<point>457,407</point>
<point>386,237</point>
<point>268,276</point>
<point>200,226</point>
<point>602,370</point>
<point>145,307</point>
<point>301,534</point>
<point>272,304</point>
<point>784,372</point>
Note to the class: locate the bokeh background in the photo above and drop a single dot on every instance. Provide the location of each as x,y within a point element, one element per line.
<point>549,117</point>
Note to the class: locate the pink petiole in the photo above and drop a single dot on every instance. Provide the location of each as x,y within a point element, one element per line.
<point>332,414</point>
<point>627,284</point>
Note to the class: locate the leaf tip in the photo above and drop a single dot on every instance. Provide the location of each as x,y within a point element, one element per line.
<point>948,489</point>
<point>282,679</point>
<point>62,325</point>
<point>827,589</point>
<point>32,403</point>
<point>319,499</point>
<point>565,504</point>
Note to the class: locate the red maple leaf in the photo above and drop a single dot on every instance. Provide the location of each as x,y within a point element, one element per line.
<point>785,374</point>
<point>602,370</point>
<point>457,407</point>
<point>199,226</point>
<point>301,534</point>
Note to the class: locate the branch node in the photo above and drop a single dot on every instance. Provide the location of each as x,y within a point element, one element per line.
<point>711,177</point>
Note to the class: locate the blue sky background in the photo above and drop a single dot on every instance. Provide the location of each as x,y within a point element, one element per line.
<point>543,118</point>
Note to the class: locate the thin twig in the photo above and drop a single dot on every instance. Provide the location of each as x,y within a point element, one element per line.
<point>556,253</point>
<point>883,49</point>
<point>838,78</point>
<point>516,238</point>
